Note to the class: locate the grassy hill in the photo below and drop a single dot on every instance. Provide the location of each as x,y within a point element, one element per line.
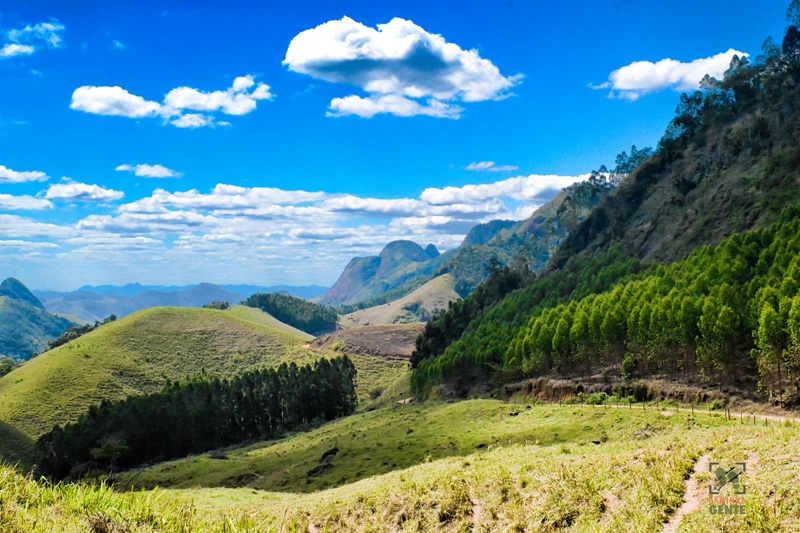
<point>138,353</point>
<point>417,306</point>
<point>133,355</point>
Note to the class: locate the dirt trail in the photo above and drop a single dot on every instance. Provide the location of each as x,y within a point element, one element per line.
<point>692,496</point>
<point>759,418</point>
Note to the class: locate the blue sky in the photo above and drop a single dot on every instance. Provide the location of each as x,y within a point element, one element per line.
<point>270,142</point>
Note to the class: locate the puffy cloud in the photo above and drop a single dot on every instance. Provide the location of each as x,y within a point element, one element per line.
<point>643,77</point>
<point>12,176</point>
<point>114,101</point>
<point>73,191</point>
<point>399,59</point>
<point>240,99</point>
<point>523,188</point>
<point>11,50</point>
<point>29,203</point>
<point>47,32</point>
<point>149,171</point>
<point>234,101</point>
<point>490,166</point>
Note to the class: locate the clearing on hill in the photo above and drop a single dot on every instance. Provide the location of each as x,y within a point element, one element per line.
<point>418,306</point>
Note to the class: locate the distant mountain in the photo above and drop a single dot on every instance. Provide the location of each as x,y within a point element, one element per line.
<point>365,278</point>
<point>95,303</point>
<point>25,326</point>
<point>403,266</point>
<point>15,290</point>
<point>132,290</point>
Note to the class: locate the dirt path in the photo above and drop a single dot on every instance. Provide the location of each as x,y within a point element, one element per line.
<point>734,416</point>
<point>692,496</point>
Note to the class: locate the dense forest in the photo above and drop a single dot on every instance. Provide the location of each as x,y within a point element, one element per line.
<point>716,315</point>
<point>304,315</point>
<point>199,415</point>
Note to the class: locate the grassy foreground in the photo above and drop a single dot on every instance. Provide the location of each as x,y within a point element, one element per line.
<point>628,477</point>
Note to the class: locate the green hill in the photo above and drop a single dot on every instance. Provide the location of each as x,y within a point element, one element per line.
<point>25,326</point>
<point>133,355</point>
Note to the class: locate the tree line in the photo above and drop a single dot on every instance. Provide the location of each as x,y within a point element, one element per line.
<point>202,414</point>
<point>73,332</point>
<point>306,316</point>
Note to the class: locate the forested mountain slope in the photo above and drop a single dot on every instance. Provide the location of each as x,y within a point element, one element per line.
<point>25,326</point>
<point>728,163</point>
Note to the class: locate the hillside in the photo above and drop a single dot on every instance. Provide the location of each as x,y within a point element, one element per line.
<point>133,355</point>
<point>417,306</point>
<point>25,326</point>
<point>365,278</point>
<point>727,164</point>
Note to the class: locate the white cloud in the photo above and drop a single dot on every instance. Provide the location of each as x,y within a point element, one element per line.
<point>392,104</point>
<point>643,77</point>
<point>117,45</point>
<point>523,188</point>
<point>17,227</point>
<point>12,176</point>
<point>114,101</point>
<point>11,50</point>
<point>149,171</point>
<point>29,203</point>
<point>399,59</point>
<point>73,191</point>
<point>193,120</point>
<point>490,166</point>
<point>26,245</point>
<point>234,101</point>
<point>240,99</point>
<point>47,32</point>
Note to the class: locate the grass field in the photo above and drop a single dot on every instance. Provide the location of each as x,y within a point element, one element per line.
<point>472,467</point>
<point>138,353</point>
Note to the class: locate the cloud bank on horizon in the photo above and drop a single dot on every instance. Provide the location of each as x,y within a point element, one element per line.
<point>249,225</point>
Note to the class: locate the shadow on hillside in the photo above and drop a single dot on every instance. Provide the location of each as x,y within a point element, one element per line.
<point>16,448</point>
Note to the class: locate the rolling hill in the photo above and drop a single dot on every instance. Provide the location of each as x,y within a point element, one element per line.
<point>133,355</point>
<point>25,326</point>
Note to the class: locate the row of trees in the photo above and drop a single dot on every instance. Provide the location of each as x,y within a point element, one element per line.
<point>480,335</point>
<point>199,415</point>
<point>73,332</point>
<point>297,312</point>
<point>713,316</point>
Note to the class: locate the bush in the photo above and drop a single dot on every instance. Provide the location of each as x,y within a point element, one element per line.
<point>596,398</point>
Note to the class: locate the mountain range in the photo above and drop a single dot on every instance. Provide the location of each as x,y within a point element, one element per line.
<point>90,303</point>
